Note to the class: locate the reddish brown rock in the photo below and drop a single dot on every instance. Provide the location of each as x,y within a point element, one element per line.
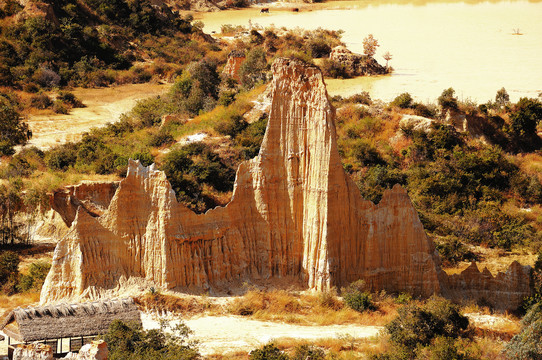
<point>235,59</point>
<point>294,215</point>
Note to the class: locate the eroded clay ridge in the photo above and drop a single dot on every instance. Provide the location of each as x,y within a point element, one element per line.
<point>295,216</point>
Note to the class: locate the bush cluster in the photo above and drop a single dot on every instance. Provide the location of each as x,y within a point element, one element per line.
<point>301,352</point>
<point>191,166</point>
<point>128,341</point>
<point>433,328</point>
<point>12,281</point>
<point>357,298</point>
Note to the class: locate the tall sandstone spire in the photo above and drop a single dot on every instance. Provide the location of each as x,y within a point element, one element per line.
<point>294,216</point>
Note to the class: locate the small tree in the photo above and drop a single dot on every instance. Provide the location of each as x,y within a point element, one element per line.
<point>254,68</point>
<point>525,117</point>
<point>502,98</point>
<point>369,45</point>
<point>12,130</point>
<point>387,56</point>
<point>447,99</point>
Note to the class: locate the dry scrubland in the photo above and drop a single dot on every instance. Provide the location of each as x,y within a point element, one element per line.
<point>478,192</point>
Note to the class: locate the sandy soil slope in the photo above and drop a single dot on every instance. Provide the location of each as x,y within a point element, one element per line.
<point>103,105</point>
<point>229,334</point>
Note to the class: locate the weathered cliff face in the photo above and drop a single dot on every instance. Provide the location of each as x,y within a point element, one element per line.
<point>235,59</point>
<point>93,197</point>
<point>505,290</point>
<point>294,215</point>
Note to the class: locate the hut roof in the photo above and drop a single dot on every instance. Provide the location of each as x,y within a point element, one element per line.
<point>68,320</point>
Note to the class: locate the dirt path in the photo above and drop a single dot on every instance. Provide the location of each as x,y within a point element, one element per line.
<point>103,105</point>
<point>227,334</point>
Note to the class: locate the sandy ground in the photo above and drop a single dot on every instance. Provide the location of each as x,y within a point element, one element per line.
<point>103,105</point>
<point>228,334</point>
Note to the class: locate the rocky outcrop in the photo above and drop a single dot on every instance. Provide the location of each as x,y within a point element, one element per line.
<point>34,351</point>
<point>235,59</point>
<point>294,215</point>
<point>96,350</point>
<point>416,123</point>
<point>356,64</point>
<point>38,9</point>
<point>93,197</point>
<point>504,291</point>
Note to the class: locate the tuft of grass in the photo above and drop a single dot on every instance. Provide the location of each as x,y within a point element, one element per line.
<point>206,122</point>
<point>18,300</point>
<point>187,305</point>
<point>307,308</point>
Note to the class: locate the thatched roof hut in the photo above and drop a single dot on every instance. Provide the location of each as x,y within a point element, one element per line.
<point>68,320</point>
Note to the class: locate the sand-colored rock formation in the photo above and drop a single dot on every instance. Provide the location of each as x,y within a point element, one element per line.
<point>93,197</point>
<point>96,350</point>
<point>34,351</point>
<point>294,215</point>
<point>505,290</point>
<point>235,59</point>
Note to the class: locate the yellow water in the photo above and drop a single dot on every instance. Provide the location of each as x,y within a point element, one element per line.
<point>469,46</point>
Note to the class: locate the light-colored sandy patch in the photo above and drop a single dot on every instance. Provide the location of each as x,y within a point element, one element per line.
<point>495,260</point>
<point>494,322</point>
<point>228,334</point>
<point>103,105</point>
<point>193,138</point>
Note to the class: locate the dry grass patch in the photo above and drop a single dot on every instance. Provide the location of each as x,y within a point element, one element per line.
<point>344,347</point>
<point>187,305</point>
<point>7,303</point>
<point>307,308</point>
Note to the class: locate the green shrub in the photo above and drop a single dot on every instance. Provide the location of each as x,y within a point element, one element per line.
<point>452,251</point>
<point>403,298</point>
<point>250,139</point>
<point>127,341</point>
<point>37,272</point>
<point>148,112</point>
<point>61,157</point>
<point>424,110</point>
<point>160,139</point>
<point>190,166</point>
<point>526,345</point>
<point>59,107</point>
<point>366,154</point>
<point>254,69</point>
<point>308,352</point>
<point>335,69</point>
<point>41,101</point>
<point>12,130</point>
<point>360,98</point>
<point>9,271</point>
<point>404,101</point>
<point>231,126</point>
<point>268,352</point>
<point>70,99</point>
<point>415,326</point>
<point>356,298</point>
<point>447,99</point>
<point>379,178</point>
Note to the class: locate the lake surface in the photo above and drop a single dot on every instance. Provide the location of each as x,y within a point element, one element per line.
<point>436,45</point>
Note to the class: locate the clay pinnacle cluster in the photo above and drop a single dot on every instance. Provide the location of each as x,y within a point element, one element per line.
<point>295,217</point>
